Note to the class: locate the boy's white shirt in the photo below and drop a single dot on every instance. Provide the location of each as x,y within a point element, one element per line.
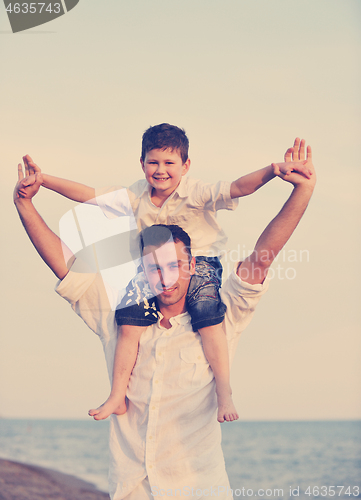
<point>193,206</point>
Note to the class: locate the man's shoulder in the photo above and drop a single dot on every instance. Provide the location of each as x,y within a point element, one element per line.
<point>89,288</point>
<point>239,296</point>
<point>74,285</point>
<point>235,286</point>
<point>91,299</point>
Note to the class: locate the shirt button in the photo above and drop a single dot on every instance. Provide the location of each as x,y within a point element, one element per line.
<point>156,381</point>
<point>150,466</point>
<point>150,437</point>
<point>153,407</point>
<point>199,357</point>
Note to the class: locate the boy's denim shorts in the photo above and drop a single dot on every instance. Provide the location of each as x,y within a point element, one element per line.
<point>140,308</point>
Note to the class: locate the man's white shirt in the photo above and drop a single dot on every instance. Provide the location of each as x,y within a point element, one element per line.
<point>170,432</point>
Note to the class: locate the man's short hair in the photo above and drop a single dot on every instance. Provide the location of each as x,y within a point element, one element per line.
<point>159,234</point>
<point>165,136</point>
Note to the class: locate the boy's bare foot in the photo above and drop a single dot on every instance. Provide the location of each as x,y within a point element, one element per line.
<point>111,405</point>
<point>226,409</point>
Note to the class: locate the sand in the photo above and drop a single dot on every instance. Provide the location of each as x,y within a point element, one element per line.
<point>29,482</point>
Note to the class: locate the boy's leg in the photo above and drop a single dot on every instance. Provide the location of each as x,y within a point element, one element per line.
<point>124,360</point>
<point>137,311</point>
<point>216,350</point>
<point>207,311</point>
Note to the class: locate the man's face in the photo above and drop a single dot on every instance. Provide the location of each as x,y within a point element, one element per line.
<point>168,271</point>
<point>164,170</point>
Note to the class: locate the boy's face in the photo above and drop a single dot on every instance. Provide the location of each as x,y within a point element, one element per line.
<point>164,170</point>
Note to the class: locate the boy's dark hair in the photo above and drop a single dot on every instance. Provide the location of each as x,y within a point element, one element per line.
<point>165,136</point>
<point>159,234</point>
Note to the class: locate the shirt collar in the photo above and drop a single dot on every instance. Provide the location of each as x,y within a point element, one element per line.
<point>181,319</point>
<point>182,188</point>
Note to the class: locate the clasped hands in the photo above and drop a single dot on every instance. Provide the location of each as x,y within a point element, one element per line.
<point>297,167</point>
<point>28,186</point>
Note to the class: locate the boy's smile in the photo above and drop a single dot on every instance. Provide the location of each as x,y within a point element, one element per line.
<point>164,170</point>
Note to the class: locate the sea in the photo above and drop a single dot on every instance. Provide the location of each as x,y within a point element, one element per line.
<point>276,460</point>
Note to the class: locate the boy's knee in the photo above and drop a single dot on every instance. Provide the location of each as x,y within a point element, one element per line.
<point>206,313</point>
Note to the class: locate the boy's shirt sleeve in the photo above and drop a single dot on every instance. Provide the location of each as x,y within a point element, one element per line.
<point>113,201</point>
<point>118,201</point>
<point>214,197</point>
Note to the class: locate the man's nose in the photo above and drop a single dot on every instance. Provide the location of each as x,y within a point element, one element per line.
<point>168,277</point>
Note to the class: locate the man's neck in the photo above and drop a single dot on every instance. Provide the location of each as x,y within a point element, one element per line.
<point>171,311</point>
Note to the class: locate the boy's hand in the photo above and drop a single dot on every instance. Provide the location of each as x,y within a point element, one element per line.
<point>27,187</point>
<point>30,166</point>
<point>296,169</point>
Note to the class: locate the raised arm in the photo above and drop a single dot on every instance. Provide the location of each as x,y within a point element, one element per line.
<point>72,190</point>
<point>255,267</point>
<point>49,246</point>
<point>249,183</point>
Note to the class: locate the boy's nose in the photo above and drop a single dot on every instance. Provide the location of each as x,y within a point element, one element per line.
<point>160,167</point>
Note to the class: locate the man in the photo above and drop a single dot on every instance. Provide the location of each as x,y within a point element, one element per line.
<point>169,443</point>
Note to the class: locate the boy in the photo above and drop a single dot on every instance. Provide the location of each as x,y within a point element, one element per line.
<point>165,197</point>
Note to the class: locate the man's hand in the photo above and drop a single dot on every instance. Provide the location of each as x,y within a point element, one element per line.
<point>30,166</point>
<point>28,186</point>
<point>296,169</point>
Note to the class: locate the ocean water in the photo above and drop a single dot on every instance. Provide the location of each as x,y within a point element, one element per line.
<point>76,447</point>
<point>301,456</point>
<point>263,459</point>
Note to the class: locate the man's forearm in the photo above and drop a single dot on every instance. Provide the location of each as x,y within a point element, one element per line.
<point>70,189</point>
<point>48,244</point>
<point>280,229</point>
<point>249,183</point>
<point>255,267</point>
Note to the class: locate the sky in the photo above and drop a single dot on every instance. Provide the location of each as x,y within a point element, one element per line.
<point>244,79</point>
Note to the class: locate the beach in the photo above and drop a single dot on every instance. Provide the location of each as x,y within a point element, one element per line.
<point>267,455</point>
<point>27,482</point>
